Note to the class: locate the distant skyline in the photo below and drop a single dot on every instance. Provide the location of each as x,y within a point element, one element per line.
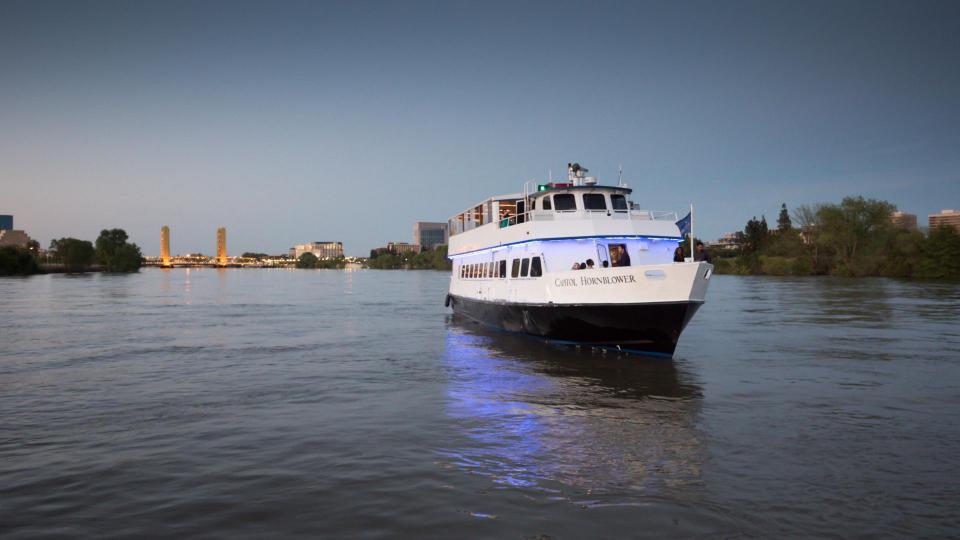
<point>288,122</point>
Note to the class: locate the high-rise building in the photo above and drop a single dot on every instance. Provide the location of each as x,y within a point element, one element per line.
<point>950,218</point>
<point>6,223</point>
<point>165,245</point>
<point>320,250</point>
<point>429,235</point>
<point>904,220</point>
<point>222,246</point>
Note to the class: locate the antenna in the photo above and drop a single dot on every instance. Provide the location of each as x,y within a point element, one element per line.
<point>620,180</point>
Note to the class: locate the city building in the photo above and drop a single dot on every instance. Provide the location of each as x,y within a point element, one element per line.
<point>222,246</point>
<point>165,245</point>
<point>904,220</point>
<point>10,236</point>
<point>950,218</point>
<point>401,248</point>
<point>320,250</point>
<point>429,235</point>
<point>13,237</point>
<point>395,248</point>
<point>728,241</point>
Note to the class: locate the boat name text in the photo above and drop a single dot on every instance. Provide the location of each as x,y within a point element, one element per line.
<point>586,280</point>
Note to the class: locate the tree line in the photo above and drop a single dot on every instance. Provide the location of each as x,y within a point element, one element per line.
<point>309,260</point>
<point>111,252</point>
<point>855,238</point>
<point>429,259</point>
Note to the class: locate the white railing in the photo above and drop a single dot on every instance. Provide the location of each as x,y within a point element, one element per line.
<point>458,227</point>
<point>654,215</point>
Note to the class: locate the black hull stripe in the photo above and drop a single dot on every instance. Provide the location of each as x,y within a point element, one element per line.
<point>648,328</point>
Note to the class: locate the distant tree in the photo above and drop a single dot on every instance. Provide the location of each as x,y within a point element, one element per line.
<point>17,261</point>
<point>253,255</point>
<point>854,234</point>
<point>783,222</point>
<point>755,234</point>
<point>332,263</point>
<point>307,260</point>
<point>432,259</point>
<point>75,255</point>
<point>941,255</point>
<point>115,253</point>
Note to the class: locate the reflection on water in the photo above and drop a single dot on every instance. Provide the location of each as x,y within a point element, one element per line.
<point>545,417</point>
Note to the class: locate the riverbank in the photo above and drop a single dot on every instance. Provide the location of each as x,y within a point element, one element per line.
<point>856,238</point>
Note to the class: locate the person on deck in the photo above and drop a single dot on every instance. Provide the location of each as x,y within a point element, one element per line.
<point>678,254</point>
<point>620,256</point>
<point>702,254</point>
<point>589,264</point>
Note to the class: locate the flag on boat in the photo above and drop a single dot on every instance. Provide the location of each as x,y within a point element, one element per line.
<point>684,225</point>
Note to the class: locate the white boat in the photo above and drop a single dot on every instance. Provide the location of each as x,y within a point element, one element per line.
<point>513,267</point>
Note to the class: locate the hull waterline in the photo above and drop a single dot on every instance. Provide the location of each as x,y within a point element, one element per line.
<point>651,328</point>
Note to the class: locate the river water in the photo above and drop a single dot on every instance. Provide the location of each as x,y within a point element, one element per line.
<point>339,404</point>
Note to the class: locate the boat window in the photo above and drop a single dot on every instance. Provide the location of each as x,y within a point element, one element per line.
<point>619,202</point>
<point>491,269</point>
<point>546,203</point>
<point>533,204</point>
<point>594,201</point>
<point>473,270</point>
<point>564,202</point>
<point>503,268</point>
<point>463,271</point>
<point>515,270</point>
<point>535,269</point>
<point>469,271</point>
<point>602,256</point>
<point>524,267</point>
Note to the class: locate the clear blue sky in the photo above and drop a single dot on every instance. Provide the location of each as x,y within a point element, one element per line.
<point>288,122</point>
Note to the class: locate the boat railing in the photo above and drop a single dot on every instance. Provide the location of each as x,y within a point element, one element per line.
<point>653,215</point>
<point>542,215</point>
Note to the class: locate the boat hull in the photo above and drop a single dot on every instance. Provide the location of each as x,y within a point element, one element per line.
<point>646,328</point>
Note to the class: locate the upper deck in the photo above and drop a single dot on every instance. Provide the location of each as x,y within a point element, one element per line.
<point>554,212</point>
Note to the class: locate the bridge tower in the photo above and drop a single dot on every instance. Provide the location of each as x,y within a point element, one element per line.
<point>222,246</point>
<point>165,246</point>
